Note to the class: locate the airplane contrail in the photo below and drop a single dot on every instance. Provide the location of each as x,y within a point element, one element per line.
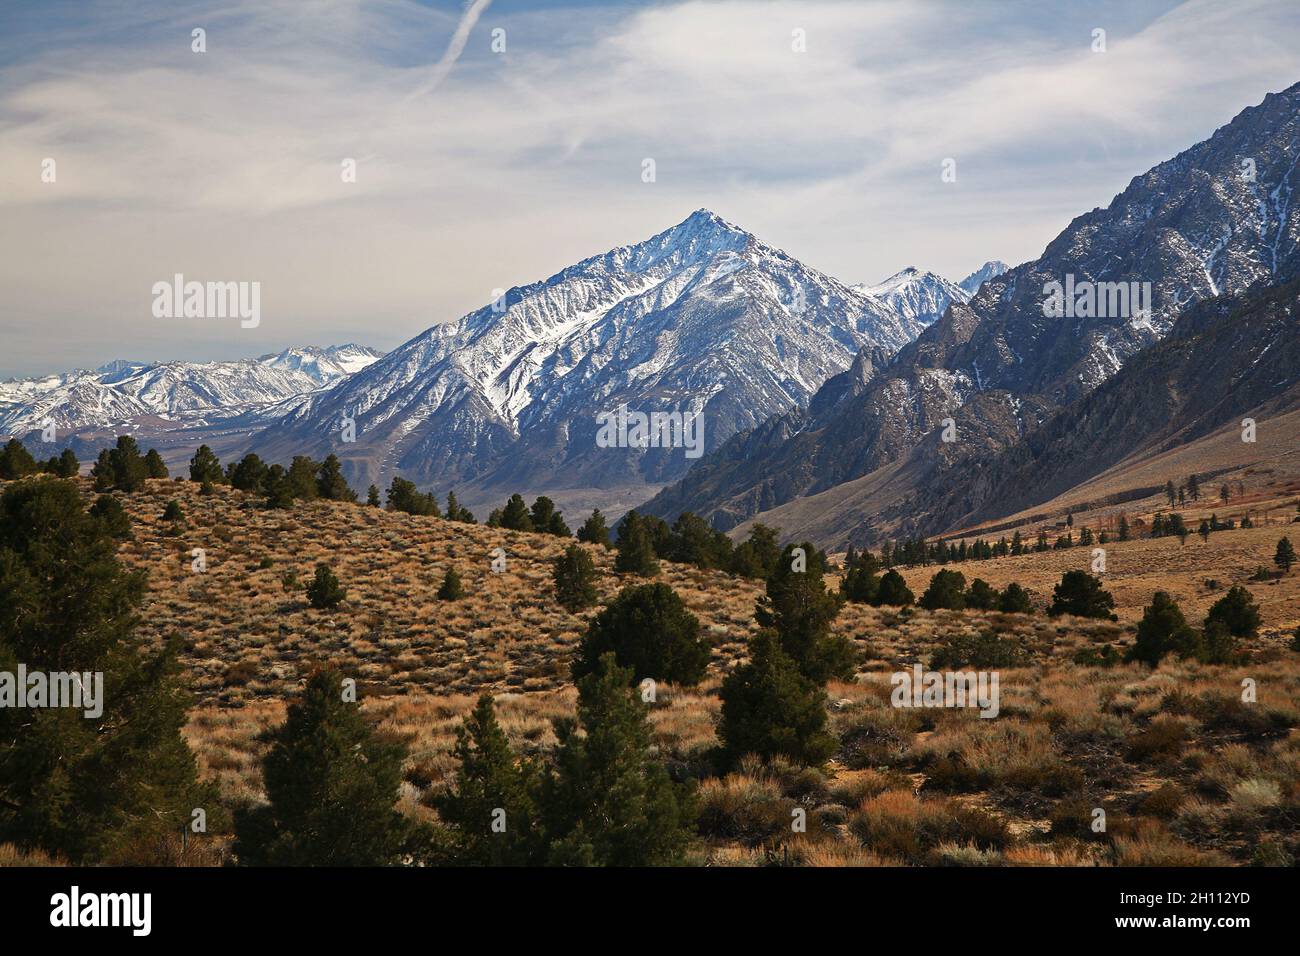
<point>473,10</point>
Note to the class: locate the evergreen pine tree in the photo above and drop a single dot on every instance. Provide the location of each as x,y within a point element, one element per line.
<point>153,465</point>
<point>302,478</point>
<point>575,579</point>
<point>372,496</point>
<point>16,461</point>
<point>324,591</point>
<point>947,590</point>
<point>1162,629</point>
<point>279,493</point>
<point>331,783</point>
<point>491,806</point>
<point>1236,612</point>
<point>981,596</point>
<point>110,513</point>
<point>1081,594</point>
<point>68,466</point>
<point>799,608</point>
<point>648,630</point>
<point>1015,600</point>
<point>609,801</point>
<point>105,788</point>
<point>636,553</point>
<point>515,516</point>
<point>204,466</point>
<point>756,557</point>
<point>451,589</point>
<point>770,709</point>
<point>1284,557</point>
<point>330,483</point>
<point>249,474</point>
<point>593,530</point>
<point>893,590</point>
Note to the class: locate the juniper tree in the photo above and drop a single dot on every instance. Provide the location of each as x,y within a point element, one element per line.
<point>649,631</point>
<point>594,531</point>
<point>575,579</point>
<point>372,496</point>
<point>771,709</point>
<point>608,800</point>
<point>107,787</point>
<point>331,785</point>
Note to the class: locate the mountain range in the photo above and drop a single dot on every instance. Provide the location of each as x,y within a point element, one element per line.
<point>174,394</point>
<point>840,413</point>
<point>1201,225</point>
<point>703,318</point>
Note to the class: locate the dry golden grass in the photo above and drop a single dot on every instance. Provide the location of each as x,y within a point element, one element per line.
<point>1186,772</point>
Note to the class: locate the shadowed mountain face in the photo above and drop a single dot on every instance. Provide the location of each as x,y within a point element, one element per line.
<point>1202,224</point>
<point>1224,359</point>
<point>701,318</point>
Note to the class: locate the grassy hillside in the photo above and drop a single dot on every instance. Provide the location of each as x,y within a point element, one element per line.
<point>1185,771</point>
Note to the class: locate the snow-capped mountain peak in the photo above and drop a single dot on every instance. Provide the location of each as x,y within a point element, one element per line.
<point>181,392</point>
<point>920,296</point>
<point>700,315</point>
<point>990,270</point>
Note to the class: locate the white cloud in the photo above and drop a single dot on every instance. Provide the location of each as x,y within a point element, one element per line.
<point>508,167</point>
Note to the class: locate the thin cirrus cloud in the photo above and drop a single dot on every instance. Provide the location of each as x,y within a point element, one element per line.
<point>479,170</point>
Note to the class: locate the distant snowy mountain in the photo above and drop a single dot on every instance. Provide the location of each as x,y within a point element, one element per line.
<point>920,296</point>
<point>701,316</point>
<point>1190,229</point>
<point>188,393</point>
<point>990,270</point>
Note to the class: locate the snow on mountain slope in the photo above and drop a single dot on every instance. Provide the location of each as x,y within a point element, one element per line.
<point>921,296</point>
<point>182,392</point>
<point>1199,225</point>
<point>701,316</point>
<point>990,270</point>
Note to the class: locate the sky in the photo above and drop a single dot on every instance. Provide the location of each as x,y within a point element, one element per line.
<point>498,141</point>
